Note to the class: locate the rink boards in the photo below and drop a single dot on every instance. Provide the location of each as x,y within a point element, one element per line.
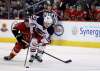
<point>85,34</point>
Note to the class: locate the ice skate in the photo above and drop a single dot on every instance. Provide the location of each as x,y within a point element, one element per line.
<point>38,58</point>
<point>32,58</point>
<point>7,58</point>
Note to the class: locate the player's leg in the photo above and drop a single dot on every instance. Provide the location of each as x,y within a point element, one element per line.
<point>33,43</point>
<point>32,54</point>
<point>39,54</point>
<point>14,52</point>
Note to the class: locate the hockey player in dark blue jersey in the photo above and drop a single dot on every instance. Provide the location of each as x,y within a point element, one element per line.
<point>44,20</point>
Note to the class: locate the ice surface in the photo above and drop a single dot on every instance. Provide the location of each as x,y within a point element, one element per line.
<point>83,59</point>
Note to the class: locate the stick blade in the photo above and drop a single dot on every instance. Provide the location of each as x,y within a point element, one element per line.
<point>68,61</point>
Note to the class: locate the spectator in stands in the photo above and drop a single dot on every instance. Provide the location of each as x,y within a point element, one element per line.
<point>57,12</point>
<point>98,17</point>
<point>16,7</point>
<point>67,13</point>
<point>72,13</point>
<point>80,14</point>
<point>93,13</point>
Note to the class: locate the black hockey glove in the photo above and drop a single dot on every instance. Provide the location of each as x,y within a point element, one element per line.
<point>19,37</point>
<point>17,34</point>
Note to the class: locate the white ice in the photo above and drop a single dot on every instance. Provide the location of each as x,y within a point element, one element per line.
<point>83,59</point>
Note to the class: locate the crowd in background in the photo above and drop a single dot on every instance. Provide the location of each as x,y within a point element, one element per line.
<point>11,9</point>
<point>74,10</point>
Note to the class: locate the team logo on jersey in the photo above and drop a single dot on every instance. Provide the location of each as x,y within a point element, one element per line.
<point>59,30</point>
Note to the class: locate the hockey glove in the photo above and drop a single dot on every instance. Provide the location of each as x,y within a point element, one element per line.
<point>19,37</point>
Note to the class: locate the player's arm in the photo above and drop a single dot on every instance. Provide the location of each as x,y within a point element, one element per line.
<point>36,27</point>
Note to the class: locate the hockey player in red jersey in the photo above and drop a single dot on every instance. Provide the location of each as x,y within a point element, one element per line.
<point>39,33</point>
<point>20,31</point>
<point>39,30</point>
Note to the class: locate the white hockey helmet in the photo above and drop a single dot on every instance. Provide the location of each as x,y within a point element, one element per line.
<point>48,20</point>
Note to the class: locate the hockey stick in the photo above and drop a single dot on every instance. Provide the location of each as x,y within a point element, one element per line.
<point>26,57</point>
<point>35,4</point>
<point>66,61</point>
